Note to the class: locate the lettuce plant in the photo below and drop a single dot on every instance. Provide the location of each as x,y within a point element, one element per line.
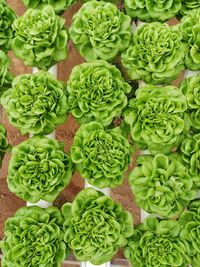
<point>95,226</point>
<point>4,146</point>
<point>188,5</point>
<point>156,54</point>
<point>59,5</point>
<point>97,92</point>
<point>156,118</point>
<point>36,103</point>
<point>190,25</point>
<point>40,38</point>
<point>190,87</point>
<point>100,31</point>
<point>190,149</point>
<point>157,243</point>
<point>152,10</point>
<point>39,169</point>
<point>190,223</point>
<point>7,16</point>
<point>162,185</point>
<point>34,237</point>
<point>6,76</point>
<point>101,156</point>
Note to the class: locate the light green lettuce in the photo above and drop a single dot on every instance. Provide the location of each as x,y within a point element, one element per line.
<point>157,243</point>
<point>36,103</point>
<point>97,92</point>
<point>156,118</point>
<point>39,169</point>
<point>101,156</point>
<point>95,226</point>
<point>40,38</point>
<point>100,31</point>
<point>162,184</point>
<point>188,5</point>
<point>4,146</point>
<point>156,53</point>
<point>6,76</point>
<point>34,237</point>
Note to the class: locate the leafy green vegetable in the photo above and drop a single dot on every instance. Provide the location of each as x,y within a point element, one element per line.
<point>97,92</point>
<point>4,146</point>
<point>7,16</point>
<point>39,169</point>
<point>156,54</point>
<point>34,237</point>
<point>100,31</point>
<point>95,226</point>
<point>59,5</point>
<point>6,76</point>
<point>190,26</point>
<point>36,103</point>
<point>101,156</point>
<point>190,223</point>
<point>190,87</point>
<point>156,118</point>
<point>152,10</point>
<point>157,243</point>
<point>188,5</point>
<point>191,155</point>
<point>162,185</point>
<point>40,38</point>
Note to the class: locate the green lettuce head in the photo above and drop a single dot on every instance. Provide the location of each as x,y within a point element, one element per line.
<point>190,87</point>
<point>6,76</point>
<point>40,38</point>
<point>157,243</point>
<point>156,54</point>
<point>39,169</point>
<point>4,146</point>
<point>190,27</point>
<point>188,5</point>
<point>190,223</point>
<point>152,10</point>
<point>190,149</point>
<point>59,5</point>
<point>7,16</point>
<point>97,92</point>
<point>100,31</point>
<point>101,156</point>
<point>162,185</point>
<point>34,237</point>
<point>95,226</point>
<point>156,118</point>
<point>36,103</point>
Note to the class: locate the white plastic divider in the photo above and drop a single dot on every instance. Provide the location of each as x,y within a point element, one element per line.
<point>43,203</point>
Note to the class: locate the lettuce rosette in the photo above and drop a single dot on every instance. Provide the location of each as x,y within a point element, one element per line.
<point>156,118</point>
<point>7,17</point>
<point>39,169</point>
<point>6,77</point>
<point>4,146</point>
<point>157,243</point>
<point>100,31</point>
<point>156,53</point>
<point>34,237</point>
<point>162,184</point>
<point>190,87</point>
<point>59,5</point>
<point>190,149</point>
<point>152,10</point>
<point>188,5</point>
<point>190,27</point>
<point>101,156</point>
<point>190,224</point>
<point>97,92</point>
<point>40,38</point>
<point>36,103</point>
<point>95,226</point>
